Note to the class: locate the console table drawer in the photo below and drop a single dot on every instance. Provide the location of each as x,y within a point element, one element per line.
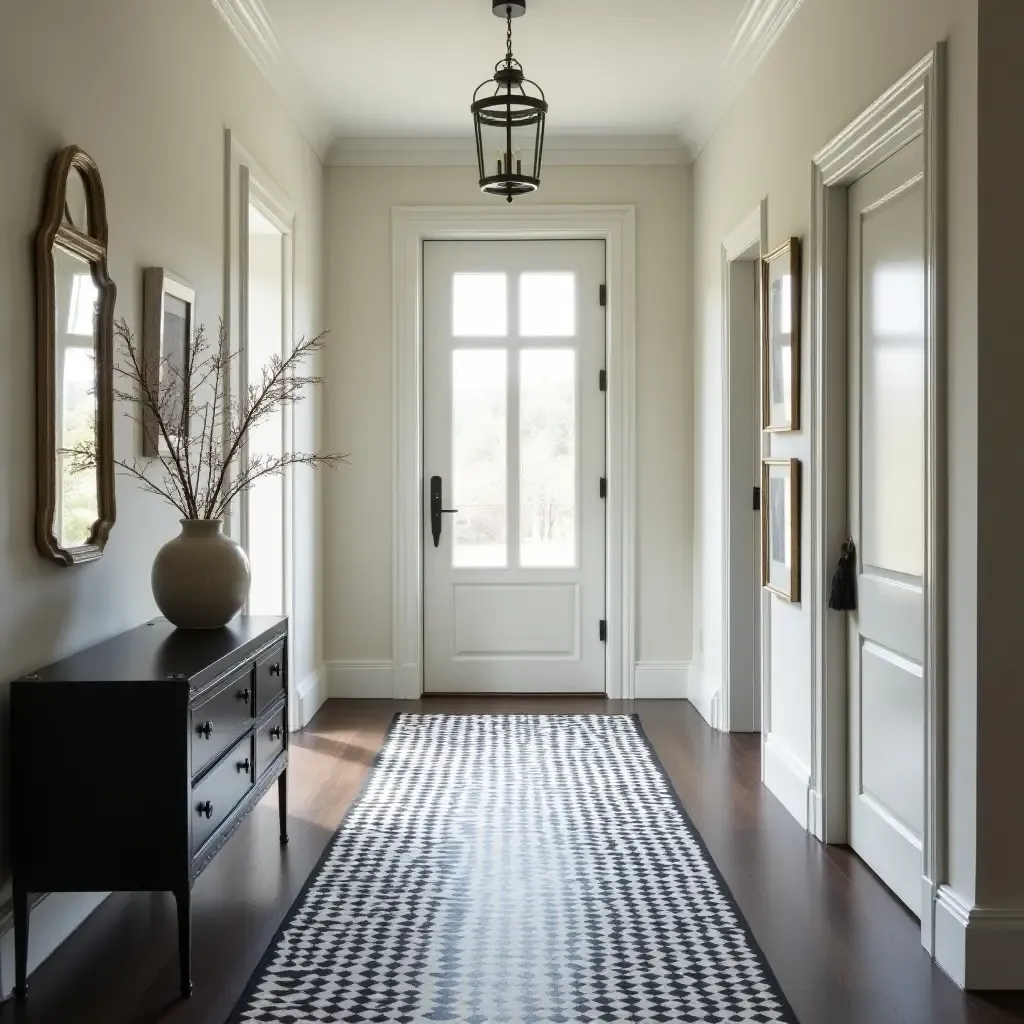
<point>218,720</point>
<point>218,794</point>
<point>270,740</point>
<point>270,678</point>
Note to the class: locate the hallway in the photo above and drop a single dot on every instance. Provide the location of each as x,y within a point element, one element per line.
<point>842,948</point>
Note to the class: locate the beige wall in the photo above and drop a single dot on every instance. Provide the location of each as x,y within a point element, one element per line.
<point>832,61</point>
<point>358,534</point>
<point>147,89</point>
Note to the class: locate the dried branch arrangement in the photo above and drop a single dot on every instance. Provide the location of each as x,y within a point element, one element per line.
<point>201,471</point>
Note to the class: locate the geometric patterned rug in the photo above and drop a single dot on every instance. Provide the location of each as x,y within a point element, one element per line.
<point>524,869</point>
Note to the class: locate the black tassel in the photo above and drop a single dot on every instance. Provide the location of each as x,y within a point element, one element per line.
<point>842,594</point>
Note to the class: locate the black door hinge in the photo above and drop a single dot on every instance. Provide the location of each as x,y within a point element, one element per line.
<point>604,487</point>
<point>602,380</point>
<point>757,499</point>
<point>602,295</point>
<point>602,631</point>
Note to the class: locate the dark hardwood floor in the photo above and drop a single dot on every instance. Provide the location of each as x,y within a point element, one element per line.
<point>843,949</point>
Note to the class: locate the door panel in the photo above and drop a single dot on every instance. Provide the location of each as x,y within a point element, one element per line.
<point>514,424</point>
<point>887,495</point>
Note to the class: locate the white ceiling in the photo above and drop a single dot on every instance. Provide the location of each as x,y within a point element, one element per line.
<point>355,71</point>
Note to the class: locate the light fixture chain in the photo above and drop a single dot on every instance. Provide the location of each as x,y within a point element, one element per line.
<point>508,16</point>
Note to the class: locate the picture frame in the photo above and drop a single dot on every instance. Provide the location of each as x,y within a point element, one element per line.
<point>168,320</point>
<point>780,528</point>
<point>780,338</point>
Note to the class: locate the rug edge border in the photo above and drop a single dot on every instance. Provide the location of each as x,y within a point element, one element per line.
<point>717,871</point>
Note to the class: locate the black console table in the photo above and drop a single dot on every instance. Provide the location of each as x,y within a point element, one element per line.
<point>135,760</point>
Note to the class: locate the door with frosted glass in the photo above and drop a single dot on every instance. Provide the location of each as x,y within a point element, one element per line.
<point>514,458</point>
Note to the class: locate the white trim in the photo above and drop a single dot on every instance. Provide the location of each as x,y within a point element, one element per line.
<point>411,226</point>
<point>980,948</point>
<point>54,919</point>
<point>564,151</point>
<point>247,183</point>
<point>661,679</point>
<point>360,679</point>
<point>310,695</point>
<point>253,28</point>
<point>750,233</point>
<point>787,777</point>
<point>911,108</point>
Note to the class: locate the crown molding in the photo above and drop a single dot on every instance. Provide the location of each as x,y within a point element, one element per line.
<point>254,29</point>
<point>575,150</point>
<point>756,31</point>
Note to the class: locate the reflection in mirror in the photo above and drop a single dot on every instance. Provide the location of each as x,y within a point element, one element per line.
<point>76,203</point>
<point>75,309</point>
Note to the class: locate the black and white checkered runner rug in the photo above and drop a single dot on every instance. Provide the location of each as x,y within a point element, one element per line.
<point>527,869</point>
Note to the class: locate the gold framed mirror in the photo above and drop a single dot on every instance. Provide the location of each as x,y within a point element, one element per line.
<point>74,365</point>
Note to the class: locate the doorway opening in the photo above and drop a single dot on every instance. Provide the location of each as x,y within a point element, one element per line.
<point>413,228</point>
<point>743,704</point>
<point>265,508</point>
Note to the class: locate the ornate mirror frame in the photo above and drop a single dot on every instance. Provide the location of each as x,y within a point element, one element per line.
<point>57,230</point>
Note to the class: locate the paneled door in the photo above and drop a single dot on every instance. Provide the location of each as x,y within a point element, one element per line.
<point>887,513</point>
<point>514,464</point>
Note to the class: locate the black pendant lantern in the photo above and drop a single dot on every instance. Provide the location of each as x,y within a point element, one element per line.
<point>509,121</point>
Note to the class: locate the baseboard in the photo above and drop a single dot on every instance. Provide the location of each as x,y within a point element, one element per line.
<point>707,704</point>
<point>53,919</point>
<point>310,696</point>
<point>788,778</point>
<point>360,679</point>
<point>980,948</point>
<point>661,679</point>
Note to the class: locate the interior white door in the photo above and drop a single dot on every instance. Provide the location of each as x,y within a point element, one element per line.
<point>887,506</point>
<point>514,440</point>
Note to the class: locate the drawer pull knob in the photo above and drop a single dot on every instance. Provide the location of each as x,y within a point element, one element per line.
<point>243,766</point>
<point>244,695</point>
<point>275,669</point>
<point>206,729</point>
<point>275,733</point>
<point>206,809</point>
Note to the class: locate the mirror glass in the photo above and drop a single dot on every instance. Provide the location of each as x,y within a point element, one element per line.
<point>76,203</point>
<point>75,345</point>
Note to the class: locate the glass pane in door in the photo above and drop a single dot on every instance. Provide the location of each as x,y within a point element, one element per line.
<point>547,305</point>
<point>479,305</point>
<point>547,447</point>
<point>479,460</point>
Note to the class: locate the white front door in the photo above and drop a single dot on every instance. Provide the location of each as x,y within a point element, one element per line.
<point>887,519</point>
<point>514,441</point>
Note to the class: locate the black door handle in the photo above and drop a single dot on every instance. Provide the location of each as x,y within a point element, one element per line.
<point>436,511</point>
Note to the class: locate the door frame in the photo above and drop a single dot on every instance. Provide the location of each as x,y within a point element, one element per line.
<point>749,235</point>
<point>247,183</point>
<point>411,227</point>
<point>914,106</point>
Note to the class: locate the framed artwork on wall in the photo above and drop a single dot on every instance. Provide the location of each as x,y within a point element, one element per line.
<point>780,338</point>
<point>168,320</point>
<point>780,527</point>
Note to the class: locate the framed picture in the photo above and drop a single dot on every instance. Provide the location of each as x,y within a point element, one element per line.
<point>168,305</point>
<point>780,338</point>
<point>780,527</point>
